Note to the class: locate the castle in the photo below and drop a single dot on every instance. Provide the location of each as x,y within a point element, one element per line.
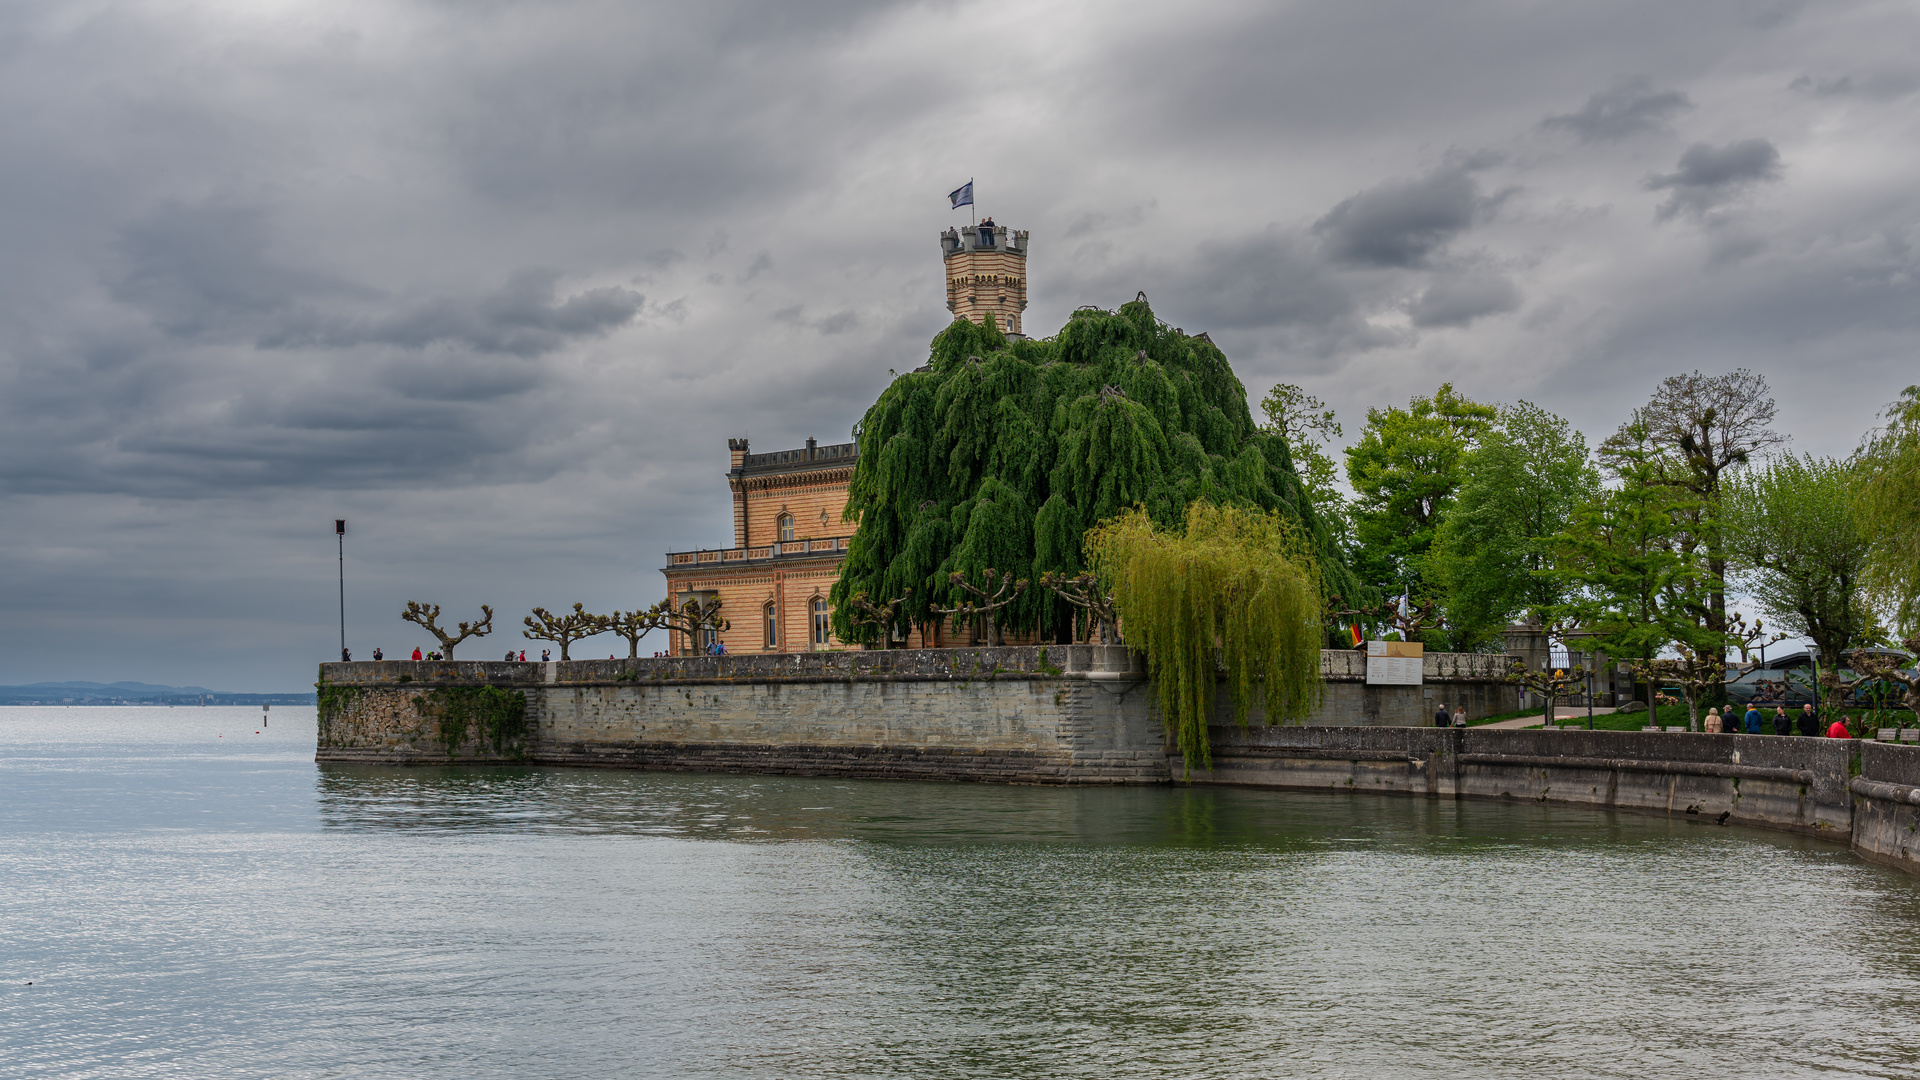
<point>788,536</point>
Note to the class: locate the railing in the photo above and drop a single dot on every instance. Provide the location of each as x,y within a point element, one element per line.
<point>752,554</point>
<point>833,452</point>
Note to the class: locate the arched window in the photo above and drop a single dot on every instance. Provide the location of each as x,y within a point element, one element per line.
<point>772,622</point>
<point>786,528</point>
<point>822,622</point>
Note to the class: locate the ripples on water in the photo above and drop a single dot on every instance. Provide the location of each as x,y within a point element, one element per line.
<point>194,899</point>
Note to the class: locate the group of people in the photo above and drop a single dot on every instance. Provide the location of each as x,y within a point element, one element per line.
<point>1457,718</point>
<point>1753,723</point>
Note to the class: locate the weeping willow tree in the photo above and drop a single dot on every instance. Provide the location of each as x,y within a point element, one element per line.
<point>1000,454</point>
<point>1236,587</point>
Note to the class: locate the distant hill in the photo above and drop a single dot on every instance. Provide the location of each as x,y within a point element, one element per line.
<point>136,693</point>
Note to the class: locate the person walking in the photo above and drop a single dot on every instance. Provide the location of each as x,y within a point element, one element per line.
<point>1712,723</point>
<point>1459,716</point>
<point>1753,720</point>
<point>1809,723</point>
<point>1839,730</point>
<point>1782,723</point>
<point>1440,717</point>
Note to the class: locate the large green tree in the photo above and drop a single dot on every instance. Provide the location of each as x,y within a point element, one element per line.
<point>1796,546</point>
<point>1705,429</point>
<point>1308,427</point>
<point>1000,454</point>
<point>1405,472</point>
<point>1636,566</point>
<point>1520,487</point>
<point>1889,509</point>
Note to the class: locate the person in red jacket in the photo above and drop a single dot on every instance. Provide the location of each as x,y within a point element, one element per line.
<point>1838,730</point>
<point>416,653</point>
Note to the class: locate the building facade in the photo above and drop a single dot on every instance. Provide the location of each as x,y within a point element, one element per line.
<point>788,536</point>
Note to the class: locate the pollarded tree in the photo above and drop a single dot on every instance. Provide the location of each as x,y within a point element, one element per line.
<point>1085,592</point>
<point>878,619</point>
<point>983,605</point>
<point>428,615</point>
<point>1235,588</point>
<point>634,625</point>
<point>1002,454</point>
<point>695,618</point>
<point>563,629</point>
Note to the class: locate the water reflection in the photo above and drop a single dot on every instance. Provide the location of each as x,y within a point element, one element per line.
<point>202,901</point>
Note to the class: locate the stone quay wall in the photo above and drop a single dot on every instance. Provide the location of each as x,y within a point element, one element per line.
<point>1861,793</point>
<point>1065,714</point>
<point>1085,715</point>
<point>1033,714</point>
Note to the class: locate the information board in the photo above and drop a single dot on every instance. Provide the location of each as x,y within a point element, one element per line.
<point>1395,663</point>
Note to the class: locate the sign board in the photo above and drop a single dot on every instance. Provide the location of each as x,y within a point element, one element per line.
<point>1394,663</point>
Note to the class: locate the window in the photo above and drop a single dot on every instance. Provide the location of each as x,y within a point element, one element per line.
<point>822,624</point>
<point>772,623</point>
<point>786,528</point>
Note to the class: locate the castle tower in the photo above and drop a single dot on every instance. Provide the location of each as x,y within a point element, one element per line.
<point>986,273</point>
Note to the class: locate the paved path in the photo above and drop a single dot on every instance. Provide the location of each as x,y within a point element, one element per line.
<point>1561,714</point>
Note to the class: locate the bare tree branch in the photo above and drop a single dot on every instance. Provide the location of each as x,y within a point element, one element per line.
<point>565,629</point>
<point>427,616</point>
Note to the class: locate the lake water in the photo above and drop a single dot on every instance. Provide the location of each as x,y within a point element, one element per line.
<point>192,899</point>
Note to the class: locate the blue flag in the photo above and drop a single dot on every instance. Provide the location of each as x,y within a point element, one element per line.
<point>962,195</point>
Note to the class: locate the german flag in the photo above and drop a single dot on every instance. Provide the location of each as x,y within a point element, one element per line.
<point>1358,637</point>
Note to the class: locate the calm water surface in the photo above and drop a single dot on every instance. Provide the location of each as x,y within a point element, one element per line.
<point>190,898</point>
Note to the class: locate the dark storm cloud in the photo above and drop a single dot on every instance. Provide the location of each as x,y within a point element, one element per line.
<point>1627,109</point>
<point>1401,223</point>
<point>1711,175</point>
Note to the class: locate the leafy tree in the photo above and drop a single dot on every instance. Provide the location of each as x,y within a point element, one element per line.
<point>1405,472</point>
<point>1001,455</point>
<point>1705,428</point>
<point>1520,487</point>
<point>1634,564</point>
<point>1889,509</point>
<point>1236,588</point>
<point>1797,548</point>
<point>428,615</point>
<point>563,629</point>
<point>1308,426</point>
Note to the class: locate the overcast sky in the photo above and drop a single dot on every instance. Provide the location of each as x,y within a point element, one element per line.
<point>496,281</point>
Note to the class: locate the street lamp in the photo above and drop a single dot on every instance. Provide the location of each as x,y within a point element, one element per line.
<point>340,537</point>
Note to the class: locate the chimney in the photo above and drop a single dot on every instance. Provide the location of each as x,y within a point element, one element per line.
<point>809,448</point>
<point>738,451</point>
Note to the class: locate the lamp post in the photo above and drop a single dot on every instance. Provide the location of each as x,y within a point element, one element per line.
<point>340,537</point>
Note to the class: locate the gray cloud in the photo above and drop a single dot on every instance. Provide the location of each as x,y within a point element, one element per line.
<point>1708,176</point>
<point>523,318</point>
<point>387,261</point>
<point>1459,299</point>
<point>1627,109</point>
<point>1401,223</point>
